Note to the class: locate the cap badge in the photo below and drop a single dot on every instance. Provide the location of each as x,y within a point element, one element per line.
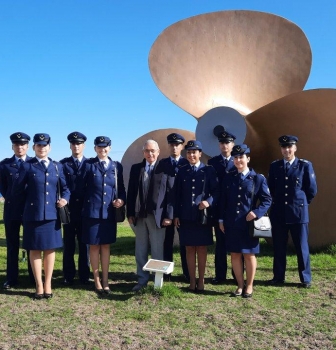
<point>75,136</point>
<point>238,148</point>
<point>224,134</point>
<point>190,143</point>
<point>18,136</point>
<point>174,137</point>
<point>41,137</point>
<point>102,139</point>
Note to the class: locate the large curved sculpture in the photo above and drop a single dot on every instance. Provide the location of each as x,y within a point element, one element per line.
<point>245,71</point>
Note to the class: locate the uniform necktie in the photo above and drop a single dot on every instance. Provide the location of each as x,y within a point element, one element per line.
<point>174,163</point>
<point>149,170</point>
<point>77,163</point>
<point>44,164</point>
<point>287,167</point>
<point>241,176</point>
<point>20,161</point>
<point>104,164</point>
<point>194,169</point>
<point>226,162</point>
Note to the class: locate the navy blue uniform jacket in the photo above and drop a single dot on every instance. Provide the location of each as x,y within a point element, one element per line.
<point>293,192</point>
<point>159,197</point>
<point>235,202</point>
<point>72,174</point>
<point>188,191</point>
<point>40,187</point>
<point>13,209</point>
<point>98,187</point>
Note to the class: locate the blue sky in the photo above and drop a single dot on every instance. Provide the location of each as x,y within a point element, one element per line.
<point>82,65</point>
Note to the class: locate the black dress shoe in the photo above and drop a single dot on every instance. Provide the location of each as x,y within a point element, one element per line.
<point>107,291</point>
<point>217,281</point>
<point>99,291</point>
<point>247,295</point>
<point>9,285</point>
<point>68,282</point>
<point>275,282</point>
<point>304,285</point>
<point>38,296</point>
<point>48,295</point>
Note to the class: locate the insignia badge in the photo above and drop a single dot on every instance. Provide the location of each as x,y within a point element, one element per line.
<point>18,136</point>
<point>224,134</point>
<point>75,136</point>
<point>174,137</point>
<point>102,139</point>
<point>190,143</point>
<point>238,148</point>
<point>284,139</point>
<point>41,137</point>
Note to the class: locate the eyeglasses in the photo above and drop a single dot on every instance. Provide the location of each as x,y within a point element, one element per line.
<point>150,150</point>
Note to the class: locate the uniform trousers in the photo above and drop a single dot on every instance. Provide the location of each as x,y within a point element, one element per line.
<point>299,233</point>
<point>147,234</point>
<point>12,229</point>
<point>169,247</point>
<point>220,255</point>
<point>72,231</point>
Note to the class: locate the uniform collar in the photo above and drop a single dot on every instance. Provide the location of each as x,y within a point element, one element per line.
<point>80,159</point>
<point>290,162</point>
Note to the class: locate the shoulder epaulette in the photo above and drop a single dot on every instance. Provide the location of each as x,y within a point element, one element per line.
<point>274,161</point>
<point>304,160</point>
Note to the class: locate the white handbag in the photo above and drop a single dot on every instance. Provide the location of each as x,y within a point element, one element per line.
<point>262,228</point>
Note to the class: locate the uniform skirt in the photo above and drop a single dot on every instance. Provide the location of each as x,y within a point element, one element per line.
<point>42,235</point>
<point>239,241</point>
<point>99,231</point>
<point>195,234</point>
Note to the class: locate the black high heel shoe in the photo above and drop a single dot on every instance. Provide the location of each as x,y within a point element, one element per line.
<point>48,295</point>
<point>38,296</point>
<point>99,291</point>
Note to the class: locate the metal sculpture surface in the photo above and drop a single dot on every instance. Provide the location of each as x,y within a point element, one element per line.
<point>245,70</point>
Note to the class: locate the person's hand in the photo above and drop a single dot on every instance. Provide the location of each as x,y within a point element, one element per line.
<point>221,227</point>
<point>61,202</point>
<point>117,203</point>
<point>177,222</point>
<point>166,222</point>
<point>203,205</point>
<point>131,220</point>
<point>250,216</point>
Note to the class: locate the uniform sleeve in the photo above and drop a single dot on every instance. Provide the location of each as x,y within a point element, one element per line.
<point>264,197</point>
<point>271,181</point>
<point>223,197</point>
<point>176,192</point>
<point>65,193</point>
<point>213,186</point>
<point>309,182</point>
<point>19,184</point>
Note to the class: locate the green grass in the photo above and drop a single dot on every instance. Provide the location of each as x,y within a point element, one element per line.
<point>171,318</point>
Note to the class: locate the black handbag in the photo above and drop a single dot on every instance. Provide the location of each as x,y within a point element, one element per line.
<point>205,217</point>
<point>259,228</point>
<point>120,213</point>
<point>64,212</point>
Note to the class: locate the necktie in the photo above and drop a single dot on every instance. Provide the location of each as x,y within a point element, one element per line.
<point>20,161</point>
<point>44,164</point>
<point>226,163</point>
<point>194,169</point>
<point>104,164</point>
<point>77,163</point>
<point>241,176</point>
<point>287,167</point>
<point>174,163</point>
<point>149,170</point>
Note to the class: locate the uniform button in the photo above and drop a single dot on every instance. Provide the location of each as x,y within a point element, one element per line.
<point>193,180</point>
<point>47,183</point>
<point>104,202</point>
<point>47,174</point>
<point>193,194</point>
<point>47,192</point>
<point>31,203</point>
<point>193,202</point>
<point>237,211</point>
<point>104,175</point>
<point>77,200</point>
<point>286,186</point>
<point>104,184</point>
<point>238,195</point>
<point>240,188</point>
<point>105,193</point>
<point>286,194</point>
<point>285,202</point>
<point>238,203</point>
<point>193,187</point>
<point>286,178</point>
<point>47,202</point>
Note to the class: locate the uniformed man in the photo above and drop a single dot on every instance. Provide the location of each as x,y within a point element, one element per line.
<point>223,165</point>
<point>292,184</point>
<point>172,164</point>
<point>149,208</point>
<point>13,209</point>
<point>72,167</point>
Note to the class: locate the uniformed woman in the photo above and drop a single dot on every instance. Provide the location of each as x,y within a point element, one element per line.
<point>98,214</point>
<point>38,181</point>
<point>236,210</point>
<point>196,189</point>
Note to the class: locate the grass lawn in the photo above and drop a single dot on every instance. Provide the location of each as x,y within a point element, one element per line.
<point>172,318</point>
